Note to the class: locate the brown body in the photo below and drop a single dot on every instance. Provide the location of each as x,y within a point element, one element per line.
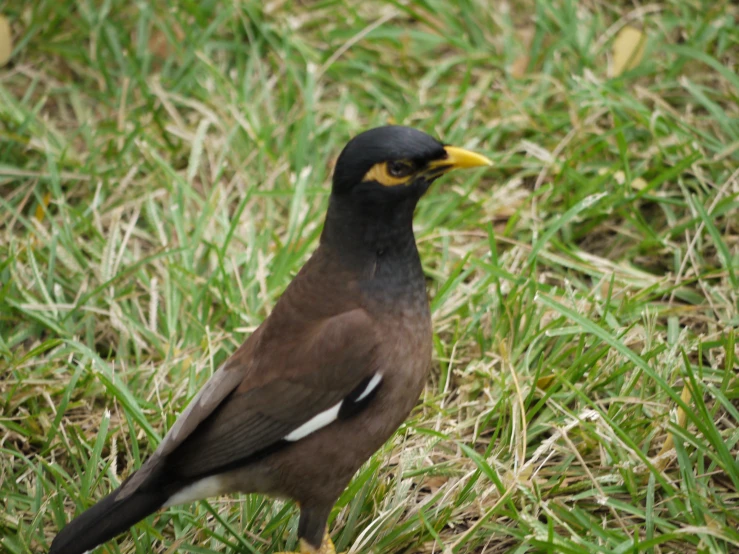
<point>402,328</point>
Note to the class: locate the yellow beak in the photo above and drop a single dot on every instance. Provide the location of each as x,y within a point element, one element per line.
<point>459,158</point>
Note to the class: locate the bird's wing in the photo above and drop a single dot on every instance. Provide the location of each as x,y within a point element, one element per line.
<point>275,395</point>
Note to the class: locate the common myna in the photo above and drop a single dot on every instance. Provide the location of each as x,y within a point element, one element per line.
<point>328,376</point>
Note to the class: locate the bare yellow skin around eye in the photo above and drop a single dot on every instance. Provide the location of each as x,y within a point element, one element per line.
<point>380,174</point>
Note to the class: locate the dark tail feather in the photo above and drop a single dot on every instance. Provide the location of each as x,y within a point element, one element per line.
<point>105,520</point>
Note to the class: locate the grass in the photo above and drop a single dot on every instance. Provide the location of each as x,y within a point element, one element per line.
<point>164,170</point>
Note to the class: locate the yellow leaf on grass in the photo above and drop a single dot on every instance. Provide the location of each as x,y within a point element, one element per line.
<point>519,66</point>
<point>525,36</point>
<point>6,41</point>
<point>41,208</point>
<point>669,444</point>
<point>628,50</point>
<point>543,383</point>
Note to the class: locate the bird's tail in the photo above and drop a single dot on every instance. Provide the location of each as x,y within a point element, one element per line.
<point>105,520</point>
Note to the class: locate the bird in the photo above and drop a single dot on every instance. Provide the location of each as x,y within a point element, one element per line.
<point>329,375</point>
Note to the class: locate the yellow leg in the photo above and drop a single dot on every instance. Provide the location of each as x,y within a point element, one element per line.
<point>327,547</point>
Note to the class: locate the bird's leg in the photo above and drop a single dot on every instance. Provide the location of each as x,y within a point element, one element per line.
<point>327,547</point>
<point>312,530</point>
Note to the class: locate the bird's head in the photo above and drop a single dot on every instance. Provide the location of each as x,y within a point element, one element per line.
<point>386,163</point>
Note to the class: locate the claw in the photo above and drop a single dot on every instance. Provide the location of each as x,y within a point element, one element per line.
<point>327,547</point>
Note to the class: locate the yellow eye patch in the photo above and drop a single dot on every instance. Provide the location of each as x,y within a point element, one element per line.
<point>390,174</point>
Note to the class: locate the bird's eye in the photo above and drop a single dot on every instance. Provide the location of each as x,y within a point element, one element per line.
<point>390,173</point>
<point>398,168</point>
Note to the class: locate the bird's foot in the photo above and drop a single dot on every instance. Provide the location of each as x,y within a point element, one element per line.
<point>327,547</point>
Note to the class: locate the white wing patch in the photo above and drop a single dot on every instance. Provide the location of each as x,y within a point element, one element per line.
<point>327,417</point>
<point>199,490</point>
<point>372,385</point>
<point>315,423</point>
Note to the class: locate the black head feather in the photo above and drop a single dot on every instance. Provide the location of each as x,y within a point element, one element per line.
<point>390,143</point>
